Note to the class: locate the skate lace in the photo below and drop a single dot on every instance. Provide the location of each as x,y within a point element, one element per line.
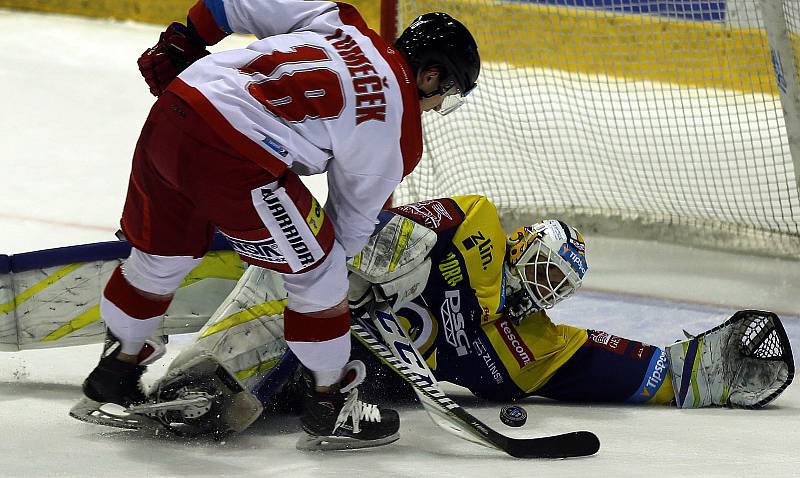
<point>357,410</point>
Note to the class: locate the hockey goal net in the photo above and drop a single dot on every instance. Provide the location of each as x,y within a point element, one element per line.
<point>647,119</point>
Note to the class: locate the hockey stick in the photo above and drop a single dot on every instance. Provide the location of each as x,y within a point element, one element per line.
<point>404,359</point>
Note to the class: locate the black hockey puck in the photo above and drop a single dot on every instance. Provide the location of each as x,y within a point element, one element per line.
<point>513,415</point>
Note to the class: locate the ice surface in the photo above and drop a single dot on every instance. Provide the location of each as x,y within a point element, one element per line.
<point>73,105</point>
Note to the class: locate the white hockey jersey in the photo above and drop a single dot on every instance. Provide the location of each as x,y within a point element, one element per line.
<point>319,91</point>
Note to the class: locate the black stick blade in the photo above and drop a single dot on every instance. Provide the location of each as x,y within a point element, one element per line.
<point>568,445</point>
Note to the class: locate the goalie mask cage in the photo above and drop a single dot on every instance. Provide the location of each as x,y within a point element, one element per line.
<point>670,120</point>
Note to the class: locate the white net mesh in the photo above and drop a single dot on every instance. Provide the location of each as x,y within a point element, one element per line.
<point>664,125</point>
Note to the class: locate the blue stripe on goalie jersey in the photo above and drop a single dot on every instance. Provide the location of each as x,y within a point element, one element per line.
<point>217,9</point>
<point>653,378</point>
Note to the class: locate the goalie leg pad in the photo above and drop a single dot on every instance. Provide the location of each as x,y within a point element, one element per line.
<point>245,333</point>
<point>745,362</point>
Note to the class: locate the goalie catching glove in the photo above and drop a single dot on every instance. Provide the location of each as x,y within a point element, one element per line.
<point>746,362</point>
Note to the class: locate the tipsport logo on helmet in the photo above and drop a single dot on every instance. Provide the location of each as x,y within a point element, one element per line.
<point>571,246</point>
<point>574,258</point>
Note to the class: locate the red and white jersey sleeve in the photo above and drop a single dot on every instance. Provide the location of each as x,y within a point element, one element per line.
<point>330,96</point>
<point>216,18</point>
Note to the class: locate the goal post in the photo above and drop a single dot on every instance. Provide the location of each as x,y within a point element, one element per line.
<point>676,121</point>
<point>782,28</point>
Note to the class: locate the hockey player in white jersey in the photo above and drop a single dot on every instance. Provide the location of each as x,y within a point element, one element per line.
<point>222,149</point>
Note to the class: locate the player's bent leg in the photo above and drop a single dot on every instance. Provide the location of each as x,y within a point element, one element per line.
<point>276,223</point>
<point>745,362</point>
<point>133,305</point>
<point>317,319</point>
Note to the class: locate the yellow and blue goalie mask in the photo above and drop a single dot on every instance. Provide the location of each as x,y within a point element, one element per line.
<point>545,263</point>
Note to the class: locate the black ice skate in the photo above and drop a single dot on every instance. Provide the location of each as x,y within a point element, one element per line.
<point>114,385</point>
<point>338,420</point>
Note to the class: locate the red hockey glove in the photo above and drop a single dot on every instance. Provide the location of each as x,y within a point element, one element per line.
<point>177,48</point>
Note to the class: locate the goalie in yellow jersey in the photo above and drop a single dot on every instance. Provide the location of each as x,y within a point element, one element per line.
<point>474,301</point>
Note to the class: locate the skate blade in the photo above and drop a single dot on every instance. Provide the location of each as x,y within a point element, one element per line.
<point>324,443</point>
<point>110,414</point>
<point>201,403</point>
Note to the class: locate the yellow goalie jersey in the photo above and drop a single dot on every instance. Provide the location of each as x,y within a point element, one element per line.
<point>458,322</point>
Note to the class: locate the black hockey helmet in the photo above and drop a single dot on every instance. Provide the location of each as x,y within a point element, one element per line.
<point>439,39</point>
